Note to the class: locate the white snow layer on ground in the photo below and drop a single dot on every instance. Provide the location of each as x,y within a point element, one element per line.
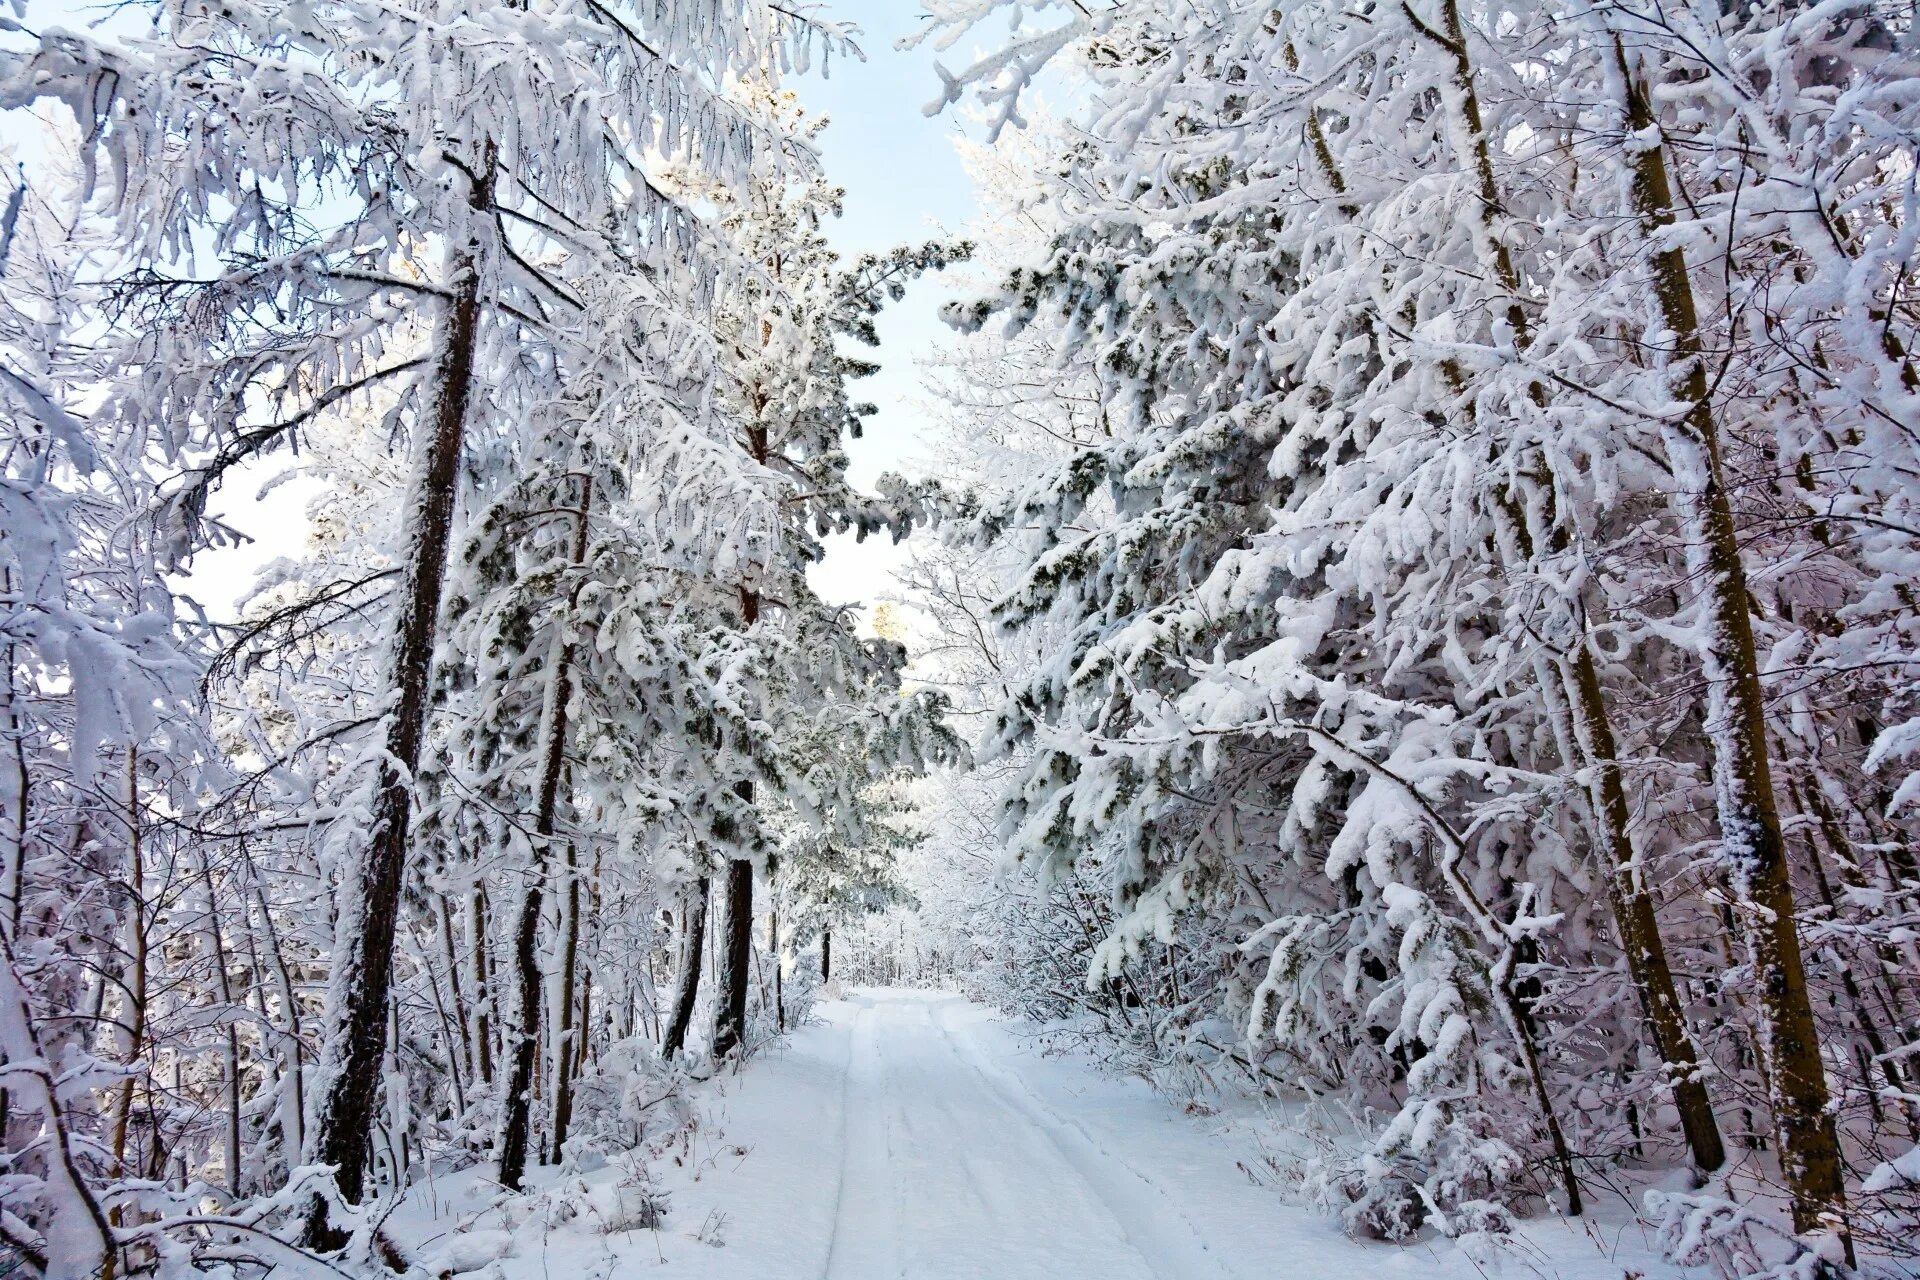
<point>913,1134</point>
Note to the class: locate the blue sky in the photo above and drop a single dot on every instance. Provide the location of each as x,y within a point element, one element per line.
<point>904,182</point>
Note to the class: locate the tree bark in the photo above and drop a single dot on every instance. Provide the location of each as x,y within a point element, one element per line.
<point>482,986</point>
<point>138,939</point>
<point>357,1036</point>
<point>1875,1049</point>
<point>736,954</point>
<point>518,1122</point>
<point>1475,151</point>
<point>1639,927</point>
<point>773,945</point>
<point>291,1107</point>
<point>1749,815</point>
<point>686,983</point>
<point>230,1081</point>
<point>15,868</point>
<point>462,1041</point>
<point>564,1049</point>
<point>75,1223</point>
<point>518,1100</point>
<point>826,956</point>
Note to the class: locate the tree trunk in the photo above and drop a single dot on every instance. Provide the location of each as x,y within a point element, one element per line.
<point>517,1125</point>
<point>370,907</point>
<point>482,986</point>
<point>1875,1049</point>
<point>15,869</point>
<point>518,1100</point>
<point>583,1037</point>
<point>134,1036</point>
<point>230,1083</point>
<point>1639,928</point>
<point>1632,904</point>
<point>730,1018</point>
<point>77,1237</point>
<point>456,1056</point>
<point>462,1040</point>
<point>736,954</point>
<point>564,1055</point>
<point>595,907</point>
<point>136,990</point>
<point>773,946</point>
<point>686,983</point>
<point>1475,151</point>
<point>1749,814</point>
<point>826,956</point>
<point>291,1107</point>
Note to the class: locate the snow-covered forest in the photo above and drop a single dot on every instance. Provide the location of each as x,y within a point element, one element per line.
<point>1394,741</point>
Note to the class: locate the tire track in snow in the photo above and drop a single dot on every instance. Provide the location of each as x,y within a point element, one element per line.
<point>846,1111</point>
<point>995,1198</point>
<point>1135,1200</point>
<point>865,1240</point>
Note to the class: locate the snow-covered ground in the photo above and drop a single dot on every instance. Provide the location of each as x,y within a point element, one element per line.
<point>913,1134</point>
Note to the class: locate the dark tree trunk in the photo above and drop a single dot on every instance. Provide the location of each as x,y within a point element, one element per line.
<point>463,1042</point>
<point>773,945</point>
<point>736,955</point>
<point>564,1057</point>
<point>826,956</point>
<point>686,983</point>
<point>515,1132</point>
<point>1632,904</point>
<point>520,1054</point>
<point>370,912</point>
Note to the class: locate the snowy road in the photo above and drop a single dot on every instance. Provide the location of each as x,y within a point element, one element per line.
<point>951,1166</point>
<point>910,1135</point>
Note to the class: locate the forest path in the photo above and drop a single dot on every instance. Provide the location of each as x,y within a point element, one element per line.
<point>951,1167</point>
<point>913,1135</point>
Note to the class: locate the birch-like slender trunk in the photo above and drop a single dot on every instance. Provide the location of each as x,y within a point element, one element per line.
<point>83,1244</point>
<point>462,1026</point>
<point>1498,258</point>
<point>1737,717</point>
<point>1875,1049</point>
<point>216,936</point>
<point>291,1106</point>
<point>15,870</point>
<point>586,977</point>
<point>133,1039</point>
<point>449,1037</point>
<point>1639,928</point>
